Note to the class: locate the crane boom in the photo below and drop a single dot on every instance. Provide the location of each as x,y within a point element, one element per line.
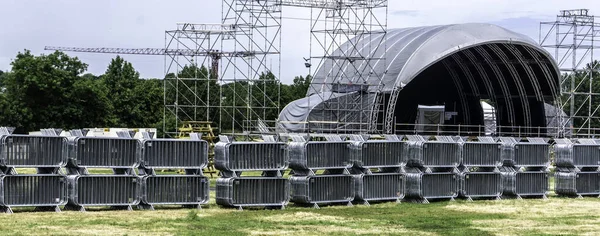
<point>332,4</point>
<point>154,51</point>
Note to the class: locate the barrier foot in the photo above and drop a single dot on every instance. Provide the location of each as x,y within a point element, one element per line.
<point>240,208</point>
<point>6,209</point>
<point>469,199</point>
<point>8,171</point>
<point>316,206</point>
<point>350,204</point>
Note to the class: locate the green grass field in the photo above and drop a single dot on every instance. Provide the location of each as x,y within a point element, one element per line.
<point>506,217</point>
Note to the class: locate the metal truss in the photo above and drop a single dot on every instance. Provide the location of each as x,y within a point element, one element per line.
<point>190,93</point>
<point>250,86</point>
<point>153,51</point>
<point>574,37</point>
<point>347,43</point>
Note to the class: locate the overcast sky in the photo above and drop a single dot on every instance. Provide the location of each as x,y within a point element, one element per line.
<point>33,24</point>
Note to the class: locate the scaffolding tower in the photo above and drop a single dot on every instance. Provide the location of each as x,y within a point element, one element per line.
<point>191,69</point>
<point>250,84</point>
<point>347,42</point>
<point>573,38</point>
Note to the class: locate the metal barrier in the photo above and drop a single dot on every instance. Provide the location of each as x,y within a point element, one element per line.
<point>251,156</point>
<point>480,185</point>
<point>32,191</point>
<point>426,186</point>
<point>104,152</point>
<point>174,153</point>
<point>583,153</point>
<point>577,183</point>
<point>379,153</point>
<point>379,187</point>
<point>33,151</point>
<point>253,192</point>
<point>103,190</point>
<point>443,152</point>
<point>316,155</point>
<point>534,153</point>
<point>484,153</point>
<point>524,183</point>
<point>174,190</point>
<point>322,189</point>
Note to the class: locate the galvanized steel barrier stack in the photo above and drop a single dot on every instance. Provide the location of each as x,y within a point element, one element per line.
<point>431,172</point>
<point>480,176</point>
<point>388,158</point>
<point>121,189</point>
<point>45,190</point>
<point>577,166</point>
<point>233,159</point>
<point>321,171</point>
<point>326,169</point>
<point>525,167</point>
<point>190,189</point>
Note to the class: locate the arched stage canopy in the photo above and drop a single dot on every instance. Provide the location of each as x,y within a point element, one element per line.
<point>456,66</point>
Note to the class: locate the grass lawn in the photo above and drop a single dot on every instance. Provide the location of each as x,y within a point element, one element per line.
<point>506,217</point>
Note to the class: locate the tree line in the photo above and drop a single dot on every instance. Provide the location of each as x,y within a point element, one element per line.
<point>54,91</point>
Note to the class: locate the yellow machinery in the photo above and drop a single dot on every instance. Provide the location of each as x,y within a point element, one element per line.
<point>208,133</point>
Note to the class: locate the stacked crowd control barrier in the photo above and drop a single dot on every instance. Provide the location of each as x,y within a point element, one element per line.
<point>388,158</point>
<point>432,168</point>
<point>577,166</point>
<point>233,159</point>
<point>525,167</point>
<point>480,176</point>
<point>45,190</point>
<point>190,189</point>
<point>335,185</point>
<point>121,189</point>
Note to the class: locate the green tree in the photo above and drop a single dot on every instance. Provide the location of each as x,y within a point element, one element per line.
<point>120,81</point>
<point>47,91</point>
<point>297,90</point>
<point>1,77</point>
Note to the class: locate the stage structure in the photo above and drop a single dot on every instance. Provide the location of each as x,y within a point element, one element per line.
<point>574,39</point>
<point>448,68</point>
<point>339,31</point>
